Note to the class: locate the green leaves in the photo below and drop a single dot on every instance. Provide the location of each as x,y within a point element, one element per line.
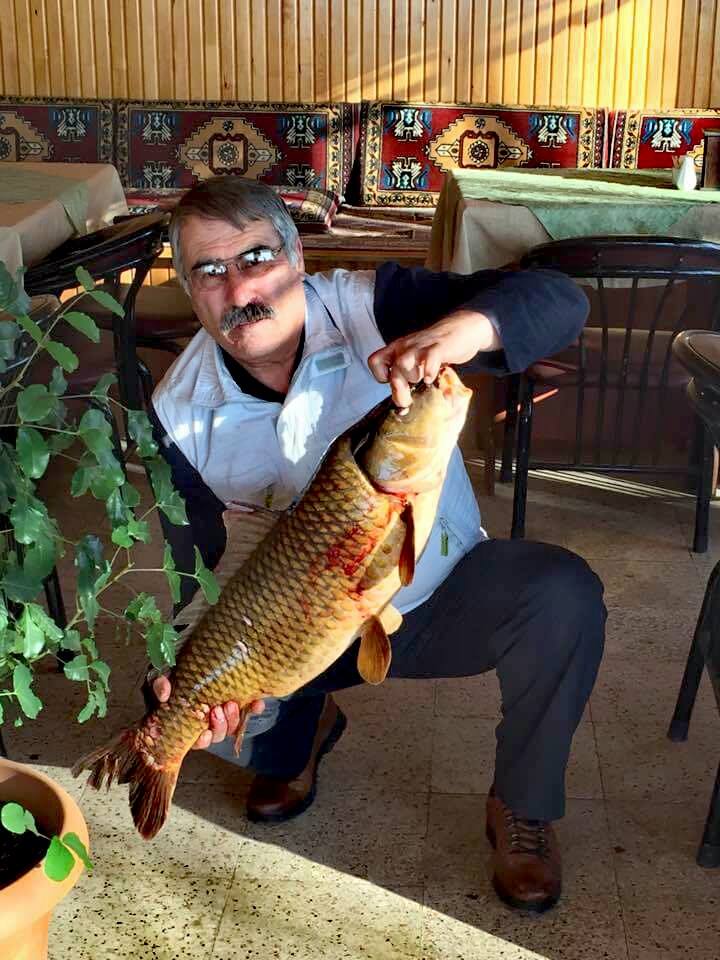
<point>27,632</point>
<point>160,637</point>
<point>161,641</point>
<point>13,298</point>
<point>29,326</point>
<point>77,668</point>
<point>93,573</point>
<point>58,383</point>
<point>17,819</point>
<point>73,841</point>
<point>173,578</point>
<point>84,323</point>
<point>84,279</point>
<point>32,452</point>
<point>62,355</point>
<point>206,579</point>
<point>59,860</point>
<point>31,634</point>
<point>167,497</point>
<point>140,430</point>
<point>108,301</point>
<point>99,469</point>
<point>101,296</point>
<point>9,334</point>
<point>29,703</point>
<point>35,403</point>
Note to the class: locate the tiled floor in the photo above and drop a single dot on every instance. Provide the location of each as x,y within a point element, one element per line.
<point>391,861</point>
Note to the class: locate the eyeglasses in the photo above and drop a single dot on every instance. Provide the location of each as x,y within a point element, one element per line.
<point>213,275</point>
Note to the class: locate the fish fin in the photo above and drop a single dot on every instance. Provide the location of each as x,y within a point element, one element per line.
<point>407,552</point>
<point>375,654</point>
<point>390,618</point>
<point>246,526</point>
<point>240,732</point>
<point>127,760</point>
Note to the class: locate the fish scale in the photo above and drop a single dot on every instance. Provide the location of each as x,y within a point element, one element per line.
<point>321,577</point>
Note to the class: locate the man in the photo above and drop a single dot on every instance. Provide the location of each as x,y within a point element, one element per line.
<point>284,363</point>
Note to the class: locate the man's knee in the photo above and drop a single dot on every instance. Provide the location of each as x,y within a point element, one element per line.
<point>570,595</point>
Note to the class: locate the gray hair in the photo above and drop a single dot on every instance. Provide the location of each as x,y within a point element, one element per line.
<point>237,201</point>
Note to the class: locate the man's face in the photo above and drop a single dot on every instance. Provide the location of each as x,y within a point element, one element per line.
<point>256,311</point>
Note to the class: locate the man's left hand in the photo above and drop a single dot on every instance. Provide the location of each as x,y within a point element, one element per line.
<point>456,338</point>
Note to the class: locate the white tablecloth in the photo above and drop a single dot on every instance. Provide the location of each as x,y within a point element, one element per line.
<point>30,230</point>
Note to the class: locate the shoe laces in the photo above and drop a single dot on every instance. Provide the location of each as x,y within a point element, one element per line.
<point>527,836</point>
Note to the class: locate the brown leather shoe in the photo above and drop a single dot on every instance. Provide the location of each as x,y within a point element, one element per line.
<point>273,801</point>
<point>528,872</point>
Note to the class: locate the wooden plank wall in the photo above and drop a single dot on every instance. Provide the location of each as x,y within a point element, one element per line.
<point>617,53</point>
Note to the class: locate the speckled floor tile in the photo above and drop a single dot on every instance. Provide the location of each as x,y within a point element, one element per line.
<point>55,737</point>
<point>650,584</point>
<point>464,758</point>
<point>468,697</point>
<point>159,899</point>
<point>628,690</point>
<point>472,697</point>
<point>638,761</point>
<point>660,632</point>
<point>340,831</point>
<point>383,754</point>
<point>671,905</point>
<point>319,914</point>
<point>704,562</point>
<point>609,533</point>
<point>397,695</point>
<point>459,924</point>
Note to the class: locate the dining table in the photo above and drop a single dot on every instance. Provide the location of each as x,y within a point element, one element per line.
<point>44,204</point>
<point>489,218</point>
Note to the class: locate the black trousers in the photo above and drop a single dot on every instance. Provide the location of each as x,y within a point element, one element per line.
<point>533,612</point>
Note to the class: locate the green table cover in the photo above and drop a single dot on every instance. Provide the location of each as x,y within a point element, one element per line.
<point>576,203</point>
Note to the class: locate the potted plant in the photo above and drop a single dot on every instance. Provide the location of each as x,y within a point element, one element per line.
<point>36,869</point>
<point>38,426</point>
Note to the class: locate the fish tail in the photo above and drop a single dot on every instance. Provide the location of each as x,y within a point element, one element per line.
<point>127,759</point>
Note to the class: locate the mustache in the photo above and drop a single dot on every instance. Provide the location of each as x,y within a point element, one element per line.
<point>236,316</point>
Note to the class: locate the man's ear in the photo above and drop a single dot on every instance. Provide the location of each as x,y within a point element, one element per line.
<point>300,259</point>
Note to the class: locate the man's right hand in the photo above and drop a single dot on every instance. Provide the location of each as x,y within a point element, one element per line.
<point>224,719</point>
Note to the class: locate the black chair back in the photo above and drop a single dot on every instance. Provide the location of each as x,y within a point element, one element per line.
<point>620,381</point>
<point>106,254</point>
<point>643,291</point>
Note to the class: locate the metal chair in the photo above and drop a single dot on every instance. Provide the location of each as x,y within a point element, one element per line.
<point>643,291</point>
<point>106,255</point>
<point>699,353</point>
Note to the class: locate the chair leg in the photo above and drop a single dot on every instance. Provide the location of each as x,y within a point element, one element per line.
<point>696,661</point>
<point>484,414</point>
<point>511,416</point>
<point>3,750</point>
<point>522,462</point>
<point>56,609</point>
<point>704,493</point>
<point>146,383</point>
<point>709,852</point>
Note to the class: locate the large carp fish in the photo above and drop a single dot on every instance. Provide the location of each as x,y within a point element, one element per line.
<point>298,589</point>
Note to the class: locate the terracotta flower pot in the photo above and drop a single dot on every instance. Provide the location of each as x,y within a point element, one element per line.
<point>26,905</point>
